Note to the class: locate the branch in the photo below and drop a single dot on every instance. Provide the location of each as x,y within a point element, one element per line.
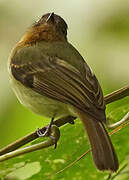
<point>55,134</point>
<point>114,96</point>
<point>117,95</point>
<point>117,124</point>
<point>32,136</point>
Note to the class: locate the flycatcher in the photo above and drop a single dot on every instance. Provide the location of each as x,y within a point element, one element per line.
<point>50,77</point>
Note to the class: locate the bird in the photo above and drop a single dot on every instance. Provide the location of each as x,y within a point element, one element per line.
<point>50,77</point>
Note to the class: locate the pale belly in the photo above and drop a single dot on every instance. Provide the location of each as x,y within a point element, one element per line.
<point>39,104</point>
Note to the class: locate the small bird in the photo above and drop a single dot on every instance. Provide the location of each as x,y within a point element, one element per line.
<point>50,77</point>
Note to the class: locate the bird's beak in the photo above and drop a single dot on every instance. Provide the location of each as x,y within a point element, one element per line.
<point>50,18</point>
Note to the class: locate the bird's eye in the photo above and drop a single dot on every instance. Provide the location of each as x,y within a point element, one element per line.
<point>64,31</point>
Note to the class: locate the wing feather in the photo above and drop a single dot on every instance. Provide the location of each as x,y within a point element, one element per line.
<point>57,79</point>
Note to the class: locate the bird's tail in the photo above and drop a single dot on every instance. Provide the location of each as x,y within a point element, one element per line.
<point>103,152</point>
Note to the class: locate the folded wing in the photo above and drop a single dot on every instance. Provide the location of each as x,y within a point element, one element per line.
<point>59,80</point>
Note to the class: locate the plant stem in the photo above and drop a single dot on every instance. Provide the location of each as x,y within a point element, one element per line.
<point>117,95</point>
<point>55,133</point>
<point>122,121</point>
<point>32,136</point>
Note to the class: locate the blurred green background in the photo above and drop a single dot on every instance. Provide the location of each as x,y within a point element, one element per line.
<point>98,29</point>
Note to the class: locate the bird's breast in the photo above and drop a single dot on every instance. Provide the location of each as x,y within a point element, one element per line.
<point>37,103</point>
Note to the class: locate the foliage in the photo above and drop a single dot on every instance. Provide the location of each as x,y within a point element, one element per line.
<point>46,164</point>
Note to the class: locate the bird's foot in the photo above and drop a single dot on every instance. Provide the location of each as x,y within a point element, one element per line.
<point>47,132</point>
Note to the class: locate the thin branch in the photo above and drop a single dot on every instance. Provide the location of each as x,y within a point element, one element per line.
<point>74,162</point>
<point>114,96</point>
<point>55,133</point>
<point>117,124</point>
<point>32,136</point>
<point>117,95</point>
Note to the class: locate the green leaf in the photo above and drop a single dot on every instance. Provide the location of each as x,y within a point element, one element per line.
<point>49,163</point>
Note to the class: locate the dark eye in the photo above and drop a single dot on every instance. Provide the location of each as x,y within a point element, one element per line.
<point>64,31</point>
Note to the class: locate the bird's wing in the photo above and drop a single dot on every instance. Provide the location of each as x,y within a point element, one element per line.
<point>57,79</point>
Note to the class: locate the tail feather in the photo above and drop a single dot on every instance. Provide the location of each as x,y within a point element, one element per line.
<point>103,152</point>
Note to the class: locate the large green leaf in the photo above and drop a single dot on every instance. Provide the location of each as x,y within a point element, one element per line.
<point>48,163</point>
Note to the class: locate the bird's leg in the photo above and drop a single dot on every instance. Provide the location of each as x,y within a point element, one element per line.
<point>47,131</point>
<point>122,121</point>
